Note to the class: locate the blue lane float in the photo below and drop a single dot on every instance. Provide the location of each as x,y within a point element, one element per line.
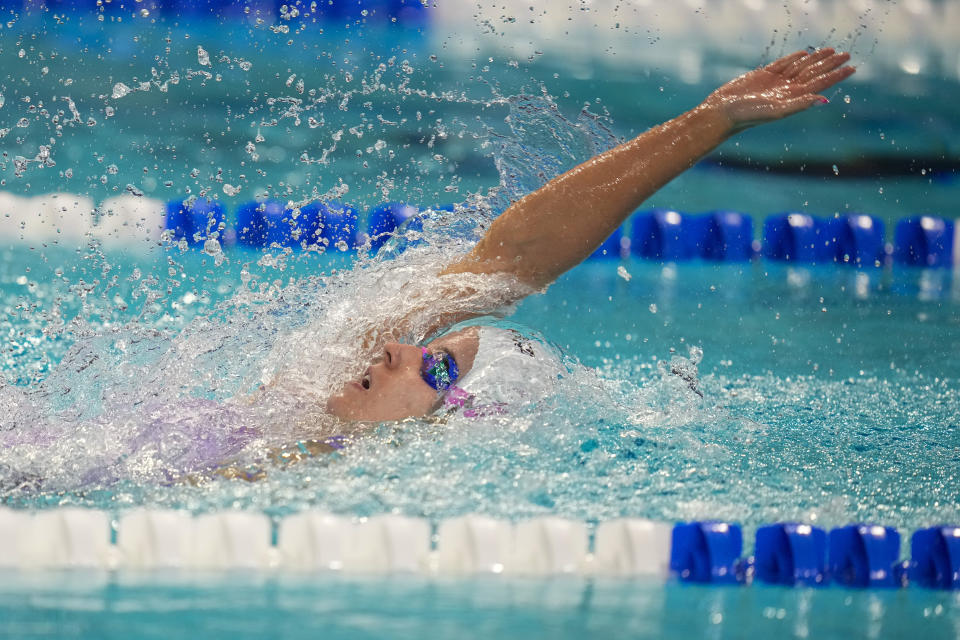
<point>659,235</point>
<point>339,228</point>
<point>925,241</point>
<point>194,219</point>
<point>790,237</point>
<point>865,555</point>
<point>384,219</point>
<point>707,552</point>
<point>255,218</point>
<point>725,236</point>
<point>271,223</point>
<point>862,241</point>
<point>935,557</point>
<point>612,247</point>
<point>791,554</point>
<point>853,238</point>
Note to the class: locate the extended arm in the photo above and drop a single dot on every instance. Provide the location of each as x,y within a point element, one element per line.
<point>554,228</point>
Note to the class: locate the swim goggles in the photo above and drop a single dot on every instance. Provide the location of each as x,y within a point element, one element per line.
<point>438,370</point>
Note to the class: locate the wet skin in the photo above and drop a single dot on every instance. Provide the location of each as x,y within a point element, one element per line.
<point>392,388</point>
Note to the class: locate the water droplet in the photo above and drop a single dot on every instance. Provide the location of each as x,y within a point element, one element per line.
<point>623,273</point>
<point>846,99</point>
<point>120,90</point>
<point>836,171</point>
<point>230,190</point>
<point>211,247</point>
<point>144,13</point>
<point>202,56</point>
<point>653,307</point>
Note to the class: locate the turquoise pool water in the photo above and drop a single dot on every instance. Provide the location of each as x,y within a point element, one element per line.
<point>403,607</point>
<point>830,394</point>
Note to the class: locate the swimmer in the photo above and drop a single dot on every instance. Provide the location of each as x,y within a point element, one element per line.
<point>553,229</point>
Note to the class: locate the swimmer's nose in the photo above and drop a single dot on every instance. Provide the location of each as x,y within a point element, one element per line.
<point>391,354</point>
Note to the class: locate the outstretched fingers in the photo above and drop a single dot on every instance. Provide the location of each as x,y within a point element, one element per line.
<point>827,80</point>
<point>797,67</point>
<point>777,66</point>
<point>823,67</point>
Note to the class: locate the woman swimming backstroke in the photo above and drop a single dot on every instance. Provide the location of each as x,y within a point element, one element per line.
<point>553,229</point>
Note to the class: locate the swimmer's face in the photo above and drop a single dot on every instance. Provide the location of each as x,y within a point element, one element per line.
<point>392,387</point>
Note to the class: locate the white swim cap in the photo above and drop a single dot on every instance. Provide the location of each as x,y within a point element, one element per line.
<point>509,369</point>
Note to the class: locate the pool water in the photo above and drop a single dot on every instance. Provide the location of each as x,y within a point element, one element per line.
<point>807,414</point>
<point>830,394</point>
<point>402,607</point>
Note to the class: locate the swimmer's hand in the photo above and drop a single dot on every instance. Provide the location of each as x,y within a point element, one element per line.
<point>781,88</point>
